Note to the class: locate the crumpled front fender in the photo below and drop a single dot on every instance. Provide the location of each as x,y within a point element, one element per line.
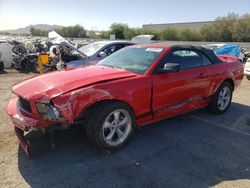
<point>70,105</point>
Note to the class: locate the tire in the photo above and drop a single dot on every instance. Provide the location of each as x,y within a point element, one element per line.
<point>248,77</point>
<point>222,99</point>
<point>1,66</point>
<point>108,129</point>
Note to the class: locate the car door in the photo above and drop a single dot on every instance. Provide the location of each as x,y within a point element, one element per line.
<point>179,92</point>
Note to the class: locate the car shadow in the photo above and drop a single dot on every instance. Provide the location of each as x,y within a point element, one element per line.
<point>3,72</point>
<point>185,151</point>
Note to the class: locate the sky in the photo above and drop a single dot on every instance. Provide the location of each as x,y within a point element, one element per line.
<point>99,15</point>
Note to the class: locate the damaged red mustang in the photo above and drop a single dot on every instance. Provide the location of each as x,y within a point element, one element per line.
<point>135,86</point>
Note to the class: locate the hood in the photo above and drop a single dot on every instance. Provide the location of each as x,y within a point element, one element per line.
<point>55,38</point>
<point>48,86</point>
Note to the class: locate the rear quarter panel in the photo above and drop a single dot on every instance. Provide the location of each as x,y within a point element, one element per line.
<point>220,72</point>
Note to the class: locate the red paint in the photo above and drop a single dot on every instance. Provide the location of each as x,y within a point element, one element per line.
<point>151,96</point>
<point>228,58</point>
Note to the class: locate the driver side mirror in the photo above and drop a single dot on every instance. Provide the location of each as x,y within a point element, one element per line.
<point>170,67</point>
<point>102,54</point>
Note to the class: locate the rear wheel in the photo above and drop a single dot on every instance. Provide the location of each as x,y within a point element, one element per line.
<point>248,77</point>
<point>110,126</point>
<point>222,99</point>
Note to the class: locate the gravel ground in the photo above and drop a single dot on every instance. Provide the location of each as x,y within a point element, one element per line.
<point>194,150</point>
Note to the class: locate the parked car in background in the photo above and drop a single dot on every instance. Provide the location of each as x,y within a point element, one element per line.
<point>97,51</point>
<point>135,86</point>
<point>214,46</point>
<point>6,54</point>
<point>227,50</point>
<point>247,69</point>
<point>90,54</point>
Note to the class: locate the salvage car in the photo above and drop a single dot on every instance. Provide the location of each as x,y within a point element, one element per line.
<point>247,69</point>
<point>96,51</point>
<point>90,54</point>
<point>136,86</point>
<point>228,50</point>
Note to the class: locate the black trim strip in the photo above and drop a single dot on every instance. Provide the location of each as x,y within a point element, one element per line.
<point>174,106</point>
<point>179,104</point>
<point>151,96</point>
<point>144,115</point>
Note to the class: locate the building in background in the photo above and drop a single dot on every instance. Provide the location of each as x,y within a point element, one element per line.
<point>193,26</point>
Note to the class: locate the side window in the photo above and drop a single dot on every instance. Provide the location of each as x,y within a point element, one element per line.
<point>118,47</point>
<point>113,48</point>
<point>206,61</point>
<point>109,50</point>
<point>185,58</point>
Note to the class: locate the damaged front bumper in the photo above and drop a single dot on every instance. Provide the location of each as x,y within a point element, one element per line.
<point>23,143</point>
<point>24,121</point>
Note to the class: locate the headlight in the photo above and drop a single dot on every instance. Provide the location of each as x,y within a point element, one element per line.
<point>48,112</point>
<point>43,109</point>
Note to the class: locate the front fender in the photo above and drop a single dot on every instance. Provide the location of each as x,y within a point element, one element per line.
<point>70,105</point>
<point>134,91</point>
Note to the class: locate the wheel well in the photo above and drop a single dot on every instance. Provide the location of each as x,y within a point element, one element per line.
<point>230,81</point>
<point>86,112</point>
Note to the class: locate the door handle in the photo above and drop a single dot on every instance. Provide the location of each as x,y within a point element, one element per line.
<point>202,75</point>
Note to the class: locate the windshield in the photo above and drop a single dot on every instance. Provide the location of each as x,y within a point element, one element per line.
<point>92,48</point>
<point>136,60</point>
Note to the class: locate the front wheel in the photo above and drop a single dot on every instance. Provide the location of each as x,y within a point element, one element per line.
<point>222,99</point>
<point>111,126</point>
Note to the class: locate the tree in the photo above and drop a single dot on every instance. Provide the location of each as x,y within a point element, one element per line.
<point>241,32</point>
<point>76,31</point>
<point>119,30</point>
<point>169,34</point>
<point>224,29</point>
<point>144,31</point>
<point>129,33</point>
<point>188,35</point>
<point>105,35</point>
<point>207,33</point>
<point>38,32</point>
<point>221,30</point>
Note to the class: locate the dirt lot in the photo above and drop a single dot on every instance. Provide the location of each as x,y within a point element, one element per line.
<point>195,150</point>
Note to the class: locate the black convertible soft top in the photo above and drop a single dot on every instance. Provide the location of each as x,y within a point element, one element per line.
<point>208,52</point>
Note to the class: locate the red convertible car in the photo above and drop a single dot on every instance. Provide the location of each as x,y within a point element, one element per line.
<point>135,86</point>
